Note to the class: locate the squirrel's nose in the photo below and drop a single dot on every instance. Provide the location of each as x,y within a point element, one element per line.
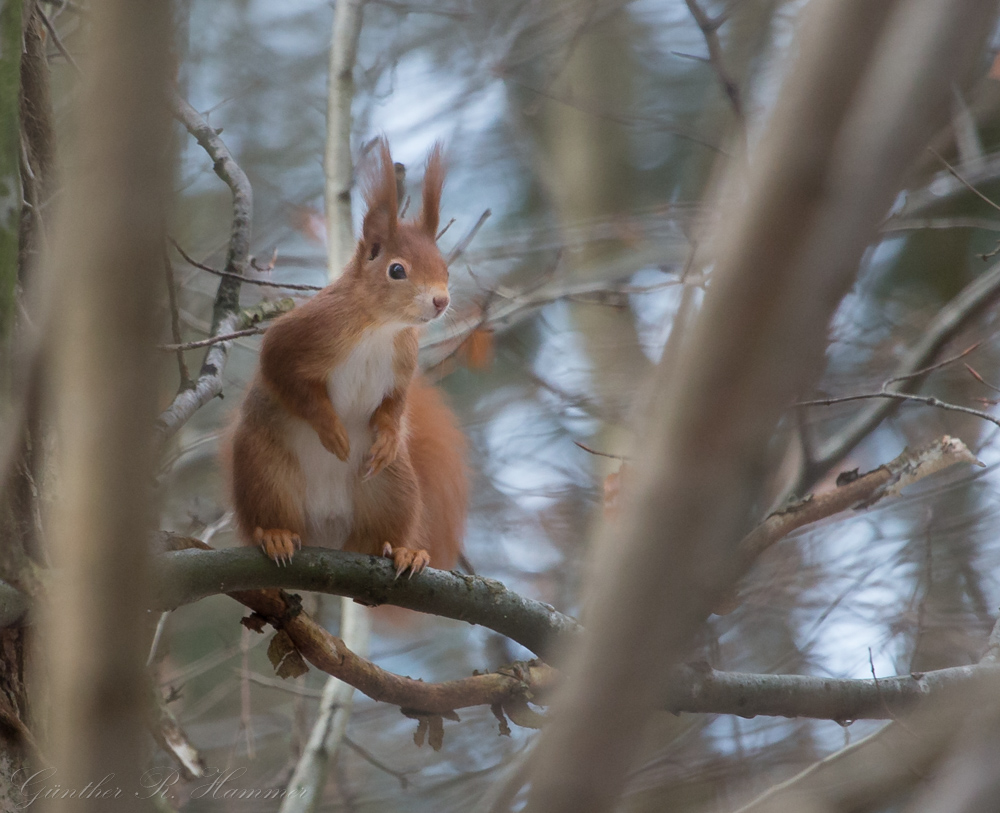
<point>440,303</point>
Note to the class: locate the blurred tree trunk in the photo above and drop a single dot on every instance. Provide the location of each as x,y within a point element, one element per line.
<point>10,156</point>
<point>105,260</point>
<point>15,493</point>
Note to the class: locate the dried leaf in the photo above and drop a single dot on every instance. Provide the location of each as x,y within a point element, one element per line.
<point>284,657</point>
<point>420,733</point>
<point>477,349</point>
<point>435,732</point>
<point>254,622</point>
<point>497,710</point>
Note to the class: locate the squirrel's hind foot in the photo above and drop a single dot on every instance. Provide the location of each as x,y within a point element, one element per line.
<point>405,559</point>
<point>279,545</point>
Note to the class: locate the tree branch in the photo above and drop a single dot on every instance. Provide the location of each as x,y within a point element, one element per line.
<point>698,689</point>
<point>185,576</point>
<point>710,30</point>
<point>970,302</point>
<point>338,165</point>
<point>690,688</point>
<point>264,283</point>
<point>226,311</point>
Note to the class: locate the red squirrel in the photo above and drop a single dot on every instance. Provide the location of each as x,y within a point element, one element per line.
<point>339,441</point>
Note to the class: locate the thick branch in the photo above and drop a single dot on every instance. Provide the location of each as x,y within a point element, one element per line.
<point>338,164</point>
<point>189,575</point>
<point>328,653</point>
<point>225,313</point>
<point>860,492</point>
<point>694,689</point>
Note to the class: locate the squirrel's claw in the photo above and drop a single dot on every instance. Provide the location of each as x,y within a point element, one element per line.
<point>405,559</point>
<point>383,452</point>
<point>278,544</point>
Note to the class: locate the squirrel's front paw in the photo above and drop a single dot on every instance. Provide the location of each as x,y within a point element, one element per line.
<point>279,545</point>
<point>334,438</point>
<point>405,559</point>
<point>384,451</point>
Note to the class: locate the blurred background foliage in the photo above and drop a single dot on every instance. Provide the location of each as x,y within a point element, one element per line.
<point>595,133</point>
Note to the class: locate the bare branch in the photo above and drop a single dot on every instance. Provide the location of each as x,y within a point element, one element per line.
<point>700,689</point>
<point>171,737</point>
<point>175,322</point>
<point>929,400</point>
<point>190,575</point>
<point>57,41</point>
<point>954,317</point>
<point>225,313</point>
<point>463,244</point>
<point>264,283</point>
<point>918,223</point>
<point>962,180</point>
<point>338,165</point>
<point>225,337</point>
<point>853,491</point>
<point>710,30</point>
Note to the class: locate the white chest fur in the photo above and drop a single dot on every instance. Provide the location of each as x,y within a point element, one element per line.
<point>356,388</point>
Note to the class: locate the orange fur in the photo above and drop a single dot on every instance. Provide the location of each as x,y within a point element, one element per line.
<point>337,443</point>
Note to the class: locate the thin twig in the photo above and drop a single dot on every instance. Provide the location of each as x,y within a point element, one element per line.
<point>291,286</point>
<point>370,758</point>
<point>175,321</point>
<point>980,379</point>
<point>441,233</point>
<point>599,454</point>
<point>57,41</point>
<point>710,30</point>
<point>226,309</point>
<point>463,244</point>
<point>224,337</point>
<point>930,369</point>
<point>970,302</point>
<point>929,400</point>
<point>962,180</point>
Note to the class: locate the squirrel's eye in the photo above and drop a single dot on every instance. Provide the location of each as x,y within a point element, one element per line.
<point>396,271</point>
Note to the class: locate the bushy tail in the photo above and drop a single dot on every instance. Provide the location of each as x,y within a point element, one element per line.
<point>437,451</point>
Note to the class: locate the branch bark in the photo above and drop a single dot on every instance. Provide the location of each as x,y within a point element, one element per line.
<point>970,303</point>
<point>338,164</point>
<point>189,575</point>
<point>226,310</point>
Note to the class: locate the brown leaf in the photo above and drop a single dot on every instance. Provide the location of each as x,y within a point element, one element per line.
<point>497,710</point>
<point>420,733</point>
<point>477,349</point>
<point>284,657</point>
<point>435,733</point>
<point>254,622</point>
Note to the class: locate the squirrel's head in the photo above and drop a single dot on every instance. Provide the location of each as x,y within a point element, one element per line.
<point>399,260</point>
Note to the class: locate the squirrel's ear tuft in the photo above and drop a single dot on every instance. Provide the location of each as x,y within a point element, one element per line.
<point>430,208</point>
<point>380,195</point>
